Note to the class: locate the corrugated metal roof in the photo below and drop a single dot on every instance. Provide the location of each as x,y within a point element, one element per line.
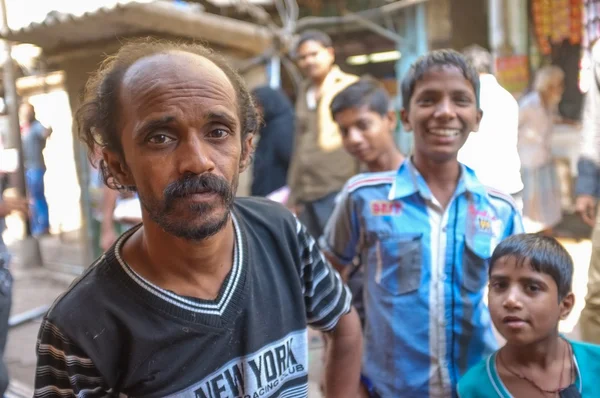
<point>179,19</point>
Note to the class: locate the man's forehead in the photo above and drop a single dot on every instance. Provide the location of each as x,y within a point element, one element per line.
<point>444,75</point>
<point>174,66</point>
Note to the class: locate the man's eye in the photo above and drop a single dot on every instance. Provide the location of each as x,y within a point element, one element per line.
<point>218,133</point>
<point>425,101</point>
<point>160,139</point>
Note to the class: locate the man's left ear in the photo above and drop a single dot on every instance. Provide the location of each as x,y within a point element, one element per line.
<point>479,116</point>
<point>247,151</point>
<point>566,305</point>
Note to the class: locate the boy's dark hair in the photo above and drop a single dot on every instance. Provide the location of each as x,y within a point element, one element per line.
<point>365,92</point>
<point>480,58</point>
<point>544,254</point>
<point>433,59</point>
<point>314,35</point>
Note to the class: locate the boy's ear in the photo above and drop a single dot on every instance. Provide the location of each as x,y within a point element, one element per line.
<point>393,119</point>
<point>479,117</point>
<point>404,119</point>
<point>566,305</point>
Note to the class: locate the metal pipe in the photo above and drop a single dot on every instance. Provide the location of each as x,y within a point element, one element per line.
<point>27,316</point>
<point>312,22</point>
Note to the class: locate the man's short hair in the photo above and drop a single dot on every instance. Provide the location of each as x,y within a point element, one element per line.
<point>98,116</point>
<point>365,92</point>
<point>543,253</point>
<point>546,75</point>
<point>435,59</point>
<point>480,58</point>
<point>313,35</point>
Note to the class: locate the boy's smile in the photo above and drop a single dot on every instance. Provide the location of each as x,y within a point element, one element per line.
<point>443,112</point>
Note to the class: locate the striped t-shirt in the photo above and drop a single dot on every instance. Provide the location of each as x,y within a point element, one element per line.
<point>115,333</point>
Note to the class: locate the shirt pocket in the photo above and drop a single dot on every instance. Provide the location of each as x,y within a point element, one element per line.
<point>476,260</point>
<point>397,261</point>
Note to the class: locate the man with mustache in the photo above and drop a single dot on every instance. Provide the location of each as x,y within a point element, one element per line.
<point>210,296</point>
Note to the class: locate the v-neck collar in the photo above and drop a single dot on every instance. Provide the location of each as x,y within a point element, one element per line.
<point>501,389</point>
<point>211,312</point>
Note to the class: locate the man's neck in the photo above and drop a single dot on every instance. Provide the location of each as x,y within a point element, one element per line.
<point>541,354</point>
<point>386,161</point>
<point>318,82</point>
<point>441,177</point>
<point>188,268</point>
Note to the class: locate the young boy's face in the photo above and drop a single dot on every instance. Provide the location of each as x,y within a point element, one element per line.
<point>366,134</point>
<point>443,111</point>
<point>524,303</point>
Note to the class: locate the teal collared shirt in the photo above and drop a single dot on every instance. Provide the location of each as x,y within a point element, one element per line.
<point>483,380</point>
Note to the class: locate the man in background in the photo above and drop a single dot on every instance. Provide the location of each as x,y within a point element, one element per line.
<point>492,151</point>
<point>588,191</point>
<point>320,165</point>
<point>6,207</point>
<point>34,136</point>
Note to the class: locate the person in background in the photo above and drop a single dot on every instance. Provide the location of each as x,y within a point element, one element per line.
<point>492,151</point>
<point>7,206</point>
<point>276,141</point>
<point>34,136</point>
<point>367,123</point>
<point>588,191</point>
<point>320,165</point>
<point>529,294</point>
<point>537,113</point>
<point>425,233</point>
<point>104,201</point>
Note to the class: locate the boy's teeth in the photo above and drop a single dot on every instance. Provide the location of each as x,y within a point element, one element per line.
<point>445,132</point>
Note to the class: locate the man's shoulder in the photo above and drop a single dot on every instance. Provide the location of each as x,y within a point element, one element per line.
<point>256,210</point>
<point>370,181</point>
<point>260,205</point>
<point>501,199</point>
<point>86,298</point>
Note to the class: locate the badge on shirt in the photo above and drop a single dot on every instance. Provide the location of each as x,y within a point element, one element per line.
<point>385,208</point>
<point>483,220</point>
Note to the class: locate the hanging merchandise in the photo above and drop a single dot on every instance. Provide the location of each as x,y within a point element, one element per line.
<point>542,20</point>
<point>576,32</point>
<point>556,21</point>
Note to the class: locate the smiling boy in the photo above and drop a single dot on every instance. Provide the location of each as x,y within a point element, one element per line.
<point>425,233</point>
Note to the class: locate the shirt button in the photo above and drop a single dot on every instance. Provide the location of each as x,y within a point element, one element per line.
<point>444,229</point>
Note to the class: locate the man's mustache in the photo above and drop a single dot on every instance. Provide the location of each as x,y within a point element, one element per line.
<point>203,183</point>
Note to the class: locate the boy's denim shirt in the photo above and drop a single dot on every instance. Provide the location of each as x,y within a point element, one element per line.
<point>426,269</point>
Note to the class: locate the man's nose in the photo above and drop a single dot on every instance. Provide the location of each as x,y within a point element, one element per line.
<point>194,156</point>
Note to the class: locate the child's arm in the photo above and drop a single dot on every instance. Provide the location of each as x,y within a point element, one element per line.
<point>340,239</point>
<point>516,224</point>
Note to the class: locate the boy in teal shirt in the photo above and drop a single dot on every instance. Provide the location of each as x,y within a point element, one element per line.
<point>529,293</point>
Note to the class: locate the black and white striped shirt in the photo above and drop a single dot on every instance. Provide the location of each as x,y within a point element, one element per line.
<point>116,334</point>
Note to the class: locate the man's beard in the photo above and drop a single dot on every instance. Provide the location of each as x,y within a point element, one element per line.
<point>164,213</point>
